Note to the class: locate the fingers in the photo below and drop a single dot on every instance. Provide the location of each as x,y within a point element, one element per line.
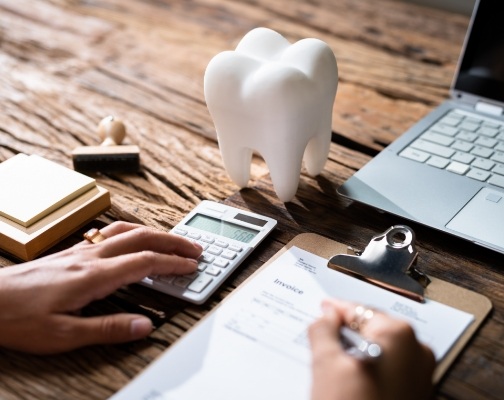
<point>347,310</point>
<point>128,255</point>
<point>130,268</point>
<point>390,333</point>
<point>113,229</point>
<point>119,227</point>
<point>109,329</point>
<point>338,375</point>
<point>324,332</point>
<point>370,324</point>
<point>101,277</point>
<point>130,238</point>
<point>335,374</point>
<point>64,332</point>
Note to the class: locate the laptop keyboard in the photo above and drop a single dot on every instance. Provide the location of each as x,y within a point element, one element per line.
<point>463,143</point>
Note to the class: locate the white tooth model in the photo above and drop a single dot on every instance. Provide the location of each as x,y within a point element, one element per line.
<point>274,98</point>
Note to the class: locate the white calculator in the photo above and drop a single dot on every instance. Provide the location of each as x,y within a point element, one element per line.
<point>227,234</point>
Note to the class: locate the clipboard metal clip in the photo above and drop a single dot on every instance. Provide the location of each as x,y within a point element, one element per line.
<point>387,261</point>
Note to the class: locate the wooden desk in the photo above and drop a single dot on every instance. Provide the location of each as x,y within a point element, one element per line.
<point>66,64</point>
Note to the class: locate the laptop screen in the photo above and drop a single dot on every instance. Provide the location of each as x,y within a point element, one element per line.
<point>481,70</point>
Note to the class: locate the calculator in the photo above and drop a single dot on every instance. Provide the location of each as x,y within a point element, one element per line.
<point>227,234</point>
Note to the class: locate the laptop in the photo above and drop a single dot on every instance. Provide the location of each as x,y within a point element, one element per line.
<point>447,171</point>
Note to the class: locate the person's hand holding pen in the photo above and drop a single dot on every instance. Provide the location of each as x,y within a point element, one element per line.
<point>403,370</point>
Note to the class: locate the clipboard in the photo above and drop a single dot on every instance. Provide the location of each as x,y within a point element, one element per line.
<point>441,291</point>
<point>217,347</point>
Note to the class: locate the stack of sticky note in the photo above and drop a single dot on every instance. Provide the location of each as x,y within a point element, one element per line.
<point>41,202</point>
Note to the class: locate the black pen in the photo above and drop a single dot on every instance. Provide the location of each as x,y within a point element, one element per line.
<point>357,346</point>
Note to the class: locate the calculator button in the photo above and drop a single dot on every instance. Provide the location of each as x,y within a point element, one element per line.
<point>202,266</point>
<point>230,255</point>
<point>211,270</point>
<point>203,245</point>
<point>182,281</point>
<point>221,243</point>
<point>166,278</point>
<point>220,208</point>
<point>191,276</point>
<point>221,263</point>
<point>200,283</point>
<point>181,232</point>
<point>235,248</point>
<point>206,258</point>
<point>214,250</point>
<point>194,235</point>
<point>207,239</point>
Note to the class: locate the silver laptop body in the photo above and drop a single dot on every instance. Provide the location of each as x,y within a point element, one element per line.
<point>447,171</point>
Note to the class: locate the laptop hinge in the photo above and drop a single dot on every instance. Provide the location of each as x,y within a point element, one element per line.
<point>488,108</point>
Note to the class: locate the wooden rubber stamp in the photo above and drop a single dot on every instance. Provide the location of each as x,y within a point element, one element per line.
<point>111,155</point>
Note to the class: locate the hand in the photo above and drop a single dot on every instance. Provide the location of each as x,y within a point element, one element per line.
<point>39,299</point>
<point>403,371</point>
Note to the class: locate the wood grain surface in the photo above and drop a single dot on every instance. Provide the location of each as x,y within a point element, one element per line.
<point>65,64</point>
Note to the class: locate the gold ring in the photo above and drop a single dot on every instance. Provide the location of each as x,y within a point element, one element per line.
<point>94,236</point>
<point>361,316</point>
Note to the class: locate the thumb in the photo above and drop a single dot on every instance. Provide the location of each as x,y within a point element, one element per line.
<point>324,332</point>
<point>108,329</point>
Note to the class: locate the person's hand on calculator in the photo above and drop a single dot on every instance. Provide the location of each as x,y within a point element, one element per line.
<point>40,300</point>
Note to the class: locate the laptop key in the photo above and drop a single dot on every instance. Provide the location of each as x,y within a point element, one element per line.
<point>464,158</point>
<point>487,131</point>
<point>462,145</point>
<point>450,120</point>
<point>491,124</point>
<point>497,180</point>
<point>438,162</point>
<point>445,129</point>
<point>486,142</point>
<point>415,155</point>
<point>474,119</point>
<point>469,126</point>
<point>481,151</point>
<point>433,148</point>
<point>478,174</point>
<point>467,136</point>
<point>437,138</point>
<point>498,157</point>
<point>457,168</point>
<point>498,169</point>
<point>483,163</point>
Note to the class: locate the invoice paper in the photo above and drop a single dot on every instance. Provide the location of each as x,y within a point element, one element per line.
<point>255,345</point>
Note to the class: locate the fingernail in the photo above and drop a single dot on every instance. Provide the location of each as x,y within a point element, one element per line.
<point>140,327</point>
<point>328,309</point>
<point>193,260</point>
<point>198,246</point>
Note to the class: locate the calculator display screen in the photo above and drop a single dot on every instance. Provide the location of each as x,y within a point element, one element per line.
<point>223,228</point>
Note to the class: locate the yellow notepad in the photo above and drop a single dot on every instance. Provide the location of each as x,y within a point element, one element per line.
<point>33,187</point>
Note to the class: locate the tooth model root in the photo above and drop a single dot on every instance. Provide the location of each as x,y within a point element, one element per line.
<point>275,99</point>
<point>237,163</point>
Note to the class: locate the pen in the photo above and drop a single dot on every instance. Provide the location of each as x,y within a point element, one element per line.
<point>357,346</point>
